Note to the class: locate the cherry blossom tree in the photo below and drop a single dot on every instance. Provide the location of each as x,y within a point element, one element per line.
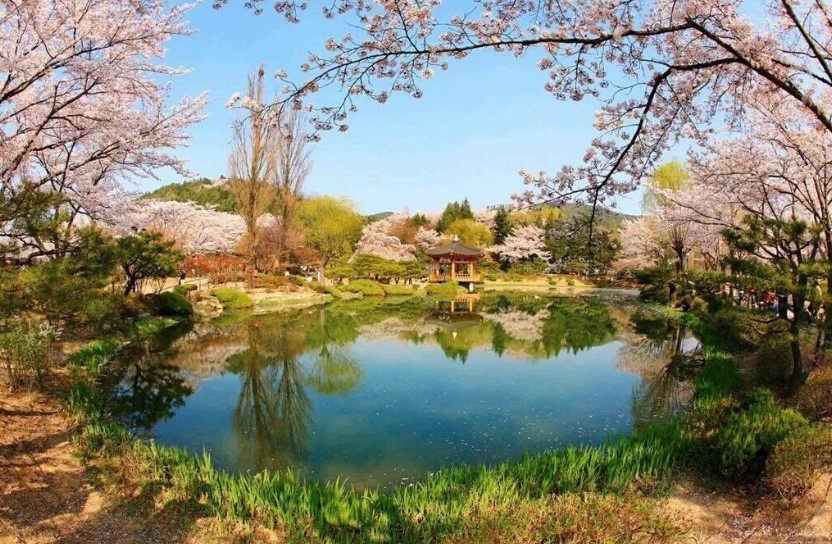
<point>84,105</point>
<point>427,238</point>
<point>523,244</point>
<point>664,69</point>
<point>643,244</point>
<point>195,229</point>
<point>375,240</point>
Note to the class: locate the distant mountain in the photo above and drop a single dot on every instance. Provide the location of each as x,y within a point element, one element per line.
<point>378,216</point>
<point>203,191</point>
<point>606,216</point>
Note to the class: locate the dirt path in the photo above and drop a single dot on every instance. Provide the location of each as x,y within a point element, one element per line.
<point>47,496</point>
<point>717,519</point>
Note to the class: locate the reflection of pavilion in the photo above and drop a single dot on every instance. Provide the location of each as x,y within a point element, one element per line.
<point>461,304</point>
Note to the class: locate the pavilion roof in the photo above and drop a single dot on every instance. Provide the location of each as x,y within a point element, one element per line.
<point>454,249</point>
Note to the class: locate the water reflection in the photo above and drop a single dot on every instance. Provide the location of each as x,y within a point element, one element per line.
<point>335,371</point>
<point>145,388</point>
<point>273,412</point>
<point>669,358</point>
<point>365,389</point>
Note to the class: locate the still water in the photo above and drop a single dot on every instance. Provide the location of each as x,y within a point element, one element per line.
<point>384,392</point>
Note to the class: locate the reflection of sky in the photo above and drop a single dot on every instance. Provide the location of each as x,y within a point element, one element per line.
<point>416,411</point>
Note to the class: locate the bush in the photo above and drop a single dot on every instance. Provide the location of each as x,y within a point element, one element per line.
<point>747,438</point>
<point>798,460</point>
<point>368,288</point>
<point>397,290</point>
<point>169,304</point>
<point>271,280</point>
<point>232,299</point>
<point>774,360</point>
<point>334,291</point>
<point>24,352</point>
<point>734,328</point>
<point>446,290</point>
<point>814,399</point>
<point>653,293</point>
<point>100,309</point>
<point>184,289</point>
<point>707,414</point>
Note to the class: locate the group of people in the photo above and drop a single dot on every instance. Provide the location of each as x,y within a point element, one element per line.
<point>779,302</point>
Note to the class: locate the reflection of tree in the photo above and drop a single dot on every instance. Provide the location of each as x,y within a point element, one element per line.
<point>576,326</point>
<point>499,339</point>
<point>657,354</point>
<point>334,372</point>
<point>273,412</point>
<point>459,336</point>
<point>148,390</point>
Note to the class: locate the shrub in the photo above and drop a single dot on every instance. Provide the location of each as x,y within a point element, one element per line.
<point>707,414</point>
<point>798,460</point>
<point>814,399</point>
<point>774,360</point>
<point>397,290</point>
<point>100,309</point>
<point>653,293</point>
<point>446,290</point>
<point>747,438</point>
<point>271,280</point>
<point>24,351</point>
<point>334,291</point>
<point>169,304</point>
<point>184,289</point>
<point>368,288</point>
<point>730,326</point>
<point>232,299</point>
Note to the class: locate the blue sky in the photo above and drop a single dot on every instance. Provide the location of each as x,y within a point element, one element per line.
<point>476,126</point>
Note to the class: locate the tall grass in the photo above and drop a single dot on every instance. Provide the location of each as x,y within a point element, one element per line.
<point>440,505</point>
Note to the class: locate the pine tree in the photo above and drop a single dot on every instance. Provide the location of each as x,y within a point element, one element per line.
<point>502,227</point>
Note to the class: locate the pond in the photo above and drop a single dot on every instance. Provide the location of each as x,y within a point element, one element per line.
<point>380,392</point>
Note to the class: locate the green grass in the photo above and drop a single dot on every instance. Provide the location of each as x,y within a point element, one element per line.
<point>232,299</point>
<point>94,354</point>
<point>441,505</point>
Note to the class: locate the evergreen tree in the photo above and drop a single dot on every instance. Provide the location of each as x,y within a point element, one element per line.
<point>454,211</point>
<point>502,226</point>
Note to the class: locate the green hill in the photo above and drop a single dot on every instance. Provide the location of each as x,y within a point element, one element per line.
<point>378,216</point>
<point>203,191</point>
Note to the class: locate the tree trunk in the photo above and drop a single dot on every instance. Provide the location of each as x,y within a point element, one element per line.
<point>799,297</point>
<point>131,283</point>
<point>827,313</point>
<point>321,271</point>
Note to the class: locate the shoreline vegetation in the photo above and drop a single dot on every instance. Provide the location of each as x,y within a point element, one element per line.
<point>613,492</point>
<point>272,294</point>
